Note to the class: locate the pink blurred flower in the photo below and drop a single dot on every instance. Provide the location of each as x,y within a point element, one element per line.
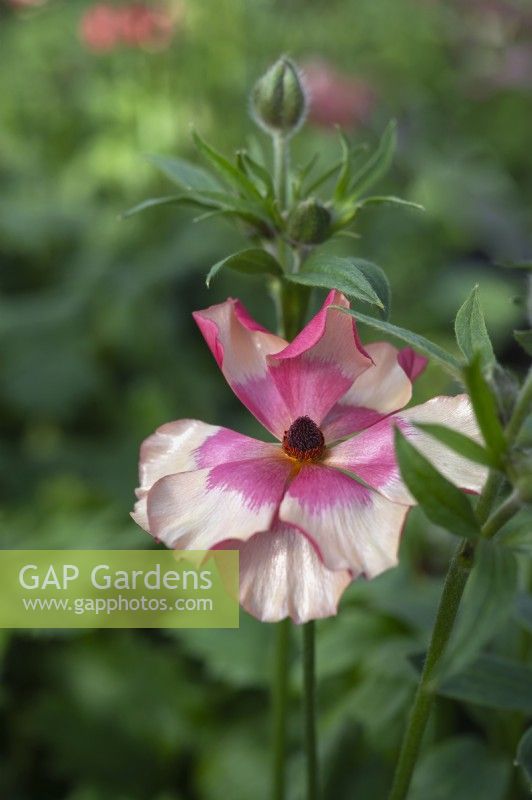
<point>104,26</point>
<point>98,28</point>
<point>304,527</point>
<point>336,98</point>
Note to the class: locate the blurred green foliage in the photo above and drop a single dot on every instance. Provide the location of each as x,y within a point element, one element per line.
<point>97,348</point>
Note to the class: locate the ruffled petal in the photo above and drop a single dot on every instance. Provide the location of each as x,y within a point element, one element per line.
<point>382,389</point>
<point>282,575</point>
<point>241,346</point>
<point>371,454</point>
<point>188,444</point>
<point>353,527</point>
<point>322,362</point>
<point>196,510</point>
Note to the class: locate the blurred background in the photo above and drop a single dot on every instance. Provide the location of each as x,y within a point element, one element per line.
<point>98,347</point>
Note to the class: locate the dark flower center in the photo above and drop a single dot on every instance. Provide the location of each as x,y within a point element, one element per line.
<point>304,440</point>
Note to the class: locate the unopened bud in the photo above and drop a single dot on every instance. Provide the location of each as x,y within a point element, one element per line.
<point>278,99</point>
<point>309,223</point>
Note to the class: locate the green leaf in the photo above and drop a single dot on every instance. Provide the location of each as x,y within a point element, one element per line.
<point>153,202</point>
<point>493,682</point>
<point>460,443</point>
<point>471,333</point>
<point>344,176</point>
<point>389,200</point>
<point>379,281</point>
<point>485,408</point>
<point>524,338</point>
<point>443,503</point>
<point>185,174</point>
<point>228,171</point>
<point>487,604</point>
<point>260,172</point>
<point>462,768</point>
<point>377,164</point>
<point>251,262</point>
<point>333,272</point>
<point>422,345</point>
<point>524,755</point>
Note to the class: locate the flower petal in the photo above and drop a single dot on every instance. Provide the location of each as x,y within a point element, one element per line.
<point>382,389</point>
<point>413,363</point>
<point>353,527</point>
<point>196,510</point>
<point>281,575</point>
<point>371,454</point>
<point>188,444</point>
<point>241,346</point>
<point>322,362</point>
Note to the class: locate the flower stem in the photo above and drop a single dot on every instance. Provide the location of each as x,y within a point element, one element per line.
<point>453,589</point>
<point>280,169</point>
<point>280,703</point>
<point>309,689</point>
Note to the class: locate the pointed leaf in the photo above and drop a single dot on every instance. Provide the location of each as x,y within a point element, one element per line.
<point>260,172</point>
<point>228,171</point>
<point>252,262</point>
<point>443,503</point>
<point>471,333</point>
<point>419,343</point>
<point>379,280</point>
<point>485,408</point>
<point>487,604</point>
<point>493,682</point>
<point>389,200</point>
<point>377,164</point>
<point>168,200</point>
<point>184,173</point>
<point>524,755</point>
<point>333,272</point>
<point>460,444</point>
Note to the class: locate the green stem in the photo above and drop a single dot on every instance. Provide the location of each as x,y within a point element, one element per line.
<point>280,703</point>
<point>523,408</point>
<point>502,515</point>
<point>453,589</point>
<point>280,169</point>
<point>309,689</point>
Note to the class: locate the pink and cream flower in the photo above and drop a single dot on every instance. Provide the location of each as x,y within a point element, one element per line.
<point>323,504</point>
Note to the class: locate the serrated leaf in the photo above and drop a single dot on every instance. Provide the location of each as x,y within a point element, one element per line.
<point>461,444</point>
<point>485,408</point>
<point>471,332</point>
<point>524,755</point>
<point>419,343</point>
<point>333,272</point>
<point>379,280</point>
<point>228,171</point>
<point>185,174</point>
<point>492,682</point>
<point>443,503</point>
<point>487,604</point>
<point>377,164</point>
<point>251,262</point>
<point>462,768</point>
<point>524,338</point>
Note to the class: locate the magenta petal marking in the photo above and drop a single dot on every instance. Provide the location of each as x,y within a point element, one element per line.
<point>260,481</point>
<point>413,363</point>
<point>226,445</point>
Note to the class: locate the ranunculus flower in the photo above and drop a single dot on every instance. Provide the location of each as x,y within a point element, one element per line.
<point>304,526</point>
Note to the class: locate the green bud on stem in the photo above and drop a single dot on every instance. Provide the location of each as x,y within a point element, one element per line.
<point>278,100</point>
<point>309,223</point>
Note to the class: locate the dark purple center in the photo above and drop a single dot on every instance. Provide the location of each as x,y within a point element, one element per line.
<point>304,440</point>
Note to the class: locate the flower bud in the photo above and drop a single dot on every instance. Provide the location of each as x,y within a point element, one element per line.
<point>309,223</point>
<point>278,99</point>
